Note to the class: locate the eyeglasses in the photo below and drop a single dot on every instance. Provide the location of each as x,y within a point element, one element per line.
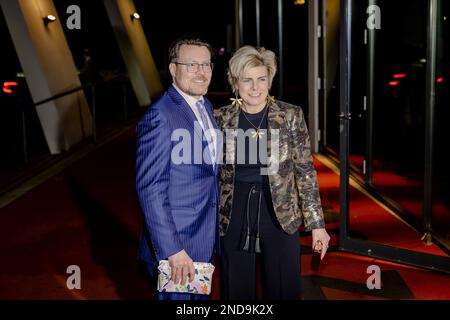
<point>194,67</point>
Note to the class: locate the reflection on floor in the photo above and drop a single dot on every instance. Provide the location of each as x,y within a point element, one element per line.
<point>88,215</point>
<point>405,190</point>
<point>370,219</point>
<point>344,272</point>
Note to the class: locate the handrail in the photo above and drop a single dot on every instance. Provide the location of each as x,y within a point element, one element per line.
<point>92,86</point>
<point>65,93</point>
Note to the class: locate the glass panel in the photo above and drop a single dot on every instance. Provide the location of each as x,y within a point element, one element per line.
<point>295,26</point>
<point>249,21</point>
<point>358,84</point>
<point>399,128</point>
<point>10,124</point>
<point>441,176</point>
<point>399,112</point>
<point>97,56</point>
<point>21,135</point>
<point>331,112</point>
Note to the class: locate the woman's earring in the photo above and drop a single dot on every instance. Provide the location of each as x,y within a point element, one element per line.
<point>236,101</point>
<point>270,99</point>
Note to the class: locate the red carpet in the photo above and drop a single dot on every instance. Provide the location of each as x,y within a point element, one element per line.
<point>407,191</point>
<point>368,218</point>
<point>88,216</point>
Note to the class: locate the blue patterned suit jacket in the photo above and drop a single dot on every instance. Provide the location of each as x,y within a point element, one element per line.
<point>179,201</point>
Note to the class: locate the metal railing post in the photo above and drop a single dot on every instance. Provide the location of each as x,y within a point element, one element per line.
<point>94,118</point>
<point>125,111</point>
<point>24,137</point>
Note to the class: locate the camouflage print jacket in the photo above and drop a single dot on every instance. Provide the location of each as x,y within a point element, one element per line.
<point>293,182</point>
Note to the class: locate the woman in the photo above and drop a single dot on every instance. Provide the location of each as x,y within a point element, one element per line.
<point>267,190</point>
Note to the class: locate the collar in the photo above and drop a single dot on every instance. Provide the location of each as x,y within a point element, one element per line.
<point>189,99</point>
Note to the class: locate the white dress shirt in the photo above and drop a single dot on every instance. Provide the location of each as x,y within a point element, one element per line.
<point>191,102</point>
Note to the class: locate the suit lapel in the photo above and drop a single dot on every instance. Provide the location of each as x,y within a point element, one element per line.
<point>219,133</point>
<point>191,119</point>
<point>276,119</point>
<point>209,108</point>
<point>230,121</point>
<point>185,110</point>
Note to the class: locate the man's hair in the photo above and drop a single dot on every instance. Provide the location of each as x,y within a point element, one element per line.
<point>174,49</point>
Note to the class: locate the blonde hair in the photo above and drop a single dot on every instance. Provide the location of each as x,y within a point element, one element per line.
<point>249,57</point>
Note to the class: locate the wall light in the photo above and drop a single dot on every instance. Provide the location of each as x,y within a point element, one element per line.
<point>135,16</point>
<point>49,18</point>
<point>299,2</point>
<point>393,83</point>
<point>8,86</point>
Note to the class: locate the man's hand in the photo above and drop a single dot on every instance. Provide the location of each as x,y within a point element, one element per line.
<point>182,266</point>
<point>322,236</point>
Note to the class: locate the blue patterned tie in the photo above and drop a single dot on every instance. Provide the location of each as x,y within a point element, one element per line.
<point>204,115</point>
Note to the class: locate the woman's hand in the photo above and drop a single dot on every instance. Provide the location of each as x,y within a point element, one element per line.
<point>322,236</point>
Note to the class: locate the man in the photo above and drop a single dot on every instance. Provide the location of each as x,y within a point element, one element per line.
<point>179,199</point>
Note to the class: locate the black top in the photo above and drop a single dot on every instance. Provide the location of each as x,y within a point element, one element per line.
<point>251,150</point>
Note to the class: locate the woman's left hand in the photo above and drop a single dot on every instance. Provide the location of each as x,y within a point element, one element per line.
<point>322,236</point>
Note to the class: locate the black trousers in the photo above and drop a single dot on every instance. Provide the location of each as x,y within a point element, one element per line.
<point>280,252</point>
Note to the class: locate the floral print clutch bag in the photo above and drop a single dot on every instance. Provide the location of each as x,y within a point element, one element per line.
<point>200,285</point>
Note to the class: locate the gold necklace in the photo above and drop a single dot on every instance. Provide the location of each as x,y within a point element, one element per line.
<point>257,134</point>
